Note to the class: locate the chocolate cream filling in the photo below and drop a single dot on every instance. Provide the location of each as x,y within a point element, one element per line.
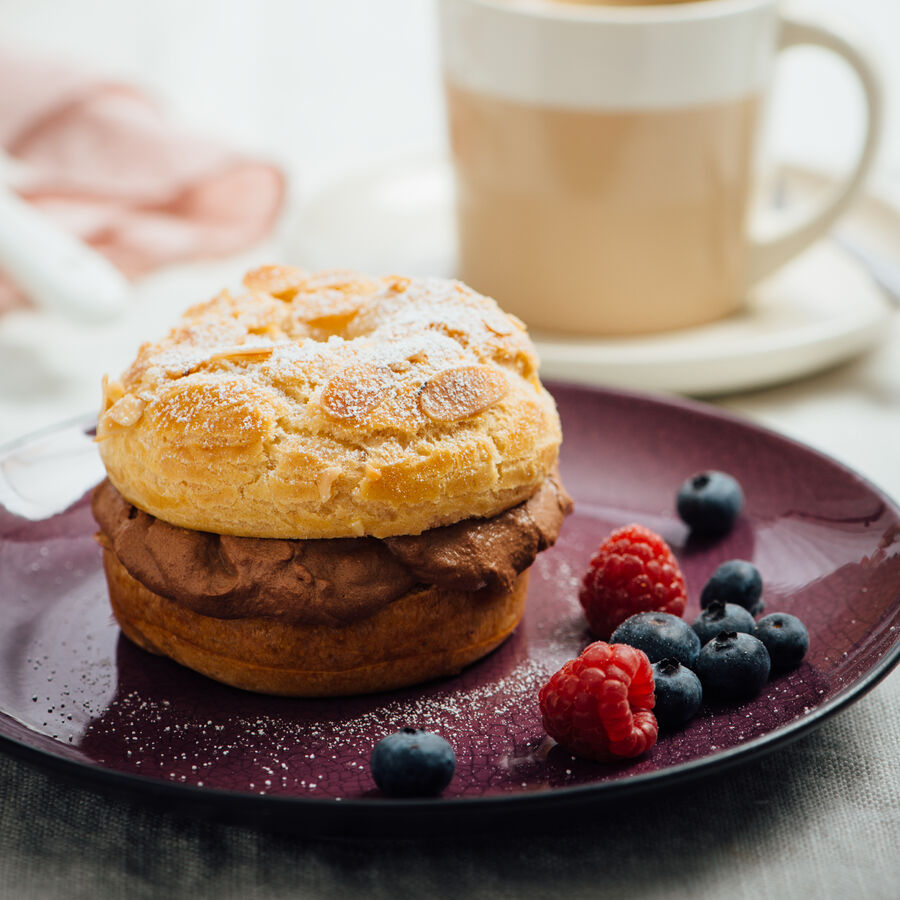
<point>330,581</point>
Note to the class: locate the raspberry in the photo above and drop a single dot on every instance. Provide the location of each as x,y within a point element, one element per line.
<point>599,705</point>
<point>632,571</point>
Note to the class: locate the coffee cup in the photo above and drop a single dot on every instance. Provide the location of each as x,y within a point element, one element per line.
<point>605,156</point>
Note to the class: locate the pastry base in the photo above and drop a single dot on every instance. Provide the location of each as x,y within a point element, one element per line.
<point>425,634</point>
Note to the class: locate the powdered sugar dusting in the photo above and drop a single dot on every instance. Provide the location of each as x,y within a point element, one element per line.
<point>319,326</point>
<point>400,382</point>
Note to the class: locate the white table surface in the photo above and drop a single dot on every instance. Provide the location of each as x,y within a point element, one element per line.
<point>331,87</point>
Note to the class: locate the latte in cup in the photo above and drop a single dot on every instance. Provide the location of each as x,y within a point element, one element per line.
<point>604,156</point>
<point>617,222</point>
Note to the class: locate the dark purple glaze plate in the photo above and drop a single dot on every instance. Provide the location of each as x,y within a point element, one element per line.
<point>75,694</point>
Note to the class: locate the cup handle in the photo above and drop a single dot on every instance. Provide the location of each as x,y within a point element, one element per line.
<point>771,250</point>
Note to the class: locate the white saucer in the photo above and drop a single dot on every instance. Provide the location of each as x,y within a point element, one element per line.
<point>821,309</point>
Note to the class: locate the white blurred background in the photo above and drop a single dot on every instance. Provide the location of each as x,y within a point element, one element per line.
<point>325,86</point>
<point>328,88</point>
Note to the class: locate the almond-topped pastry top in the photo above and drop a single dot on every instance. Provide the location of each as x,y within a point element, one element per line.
<point>331,405</point>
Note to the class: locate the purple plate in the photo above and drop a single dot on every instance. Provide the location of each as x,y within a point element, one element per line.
<point>77,695</point>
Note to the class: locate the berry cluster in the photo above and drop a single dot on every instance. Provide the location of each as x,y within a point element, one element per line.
<point>608,703</point>
<point>723,652</point>
<point>634,595</point>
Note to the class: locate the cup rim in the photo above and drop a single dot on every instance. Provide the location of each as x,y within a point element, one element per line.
<point>691,11</point>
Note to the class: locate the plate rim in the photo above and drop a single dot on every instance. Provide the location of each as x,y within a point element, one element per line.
<point>392,817</point>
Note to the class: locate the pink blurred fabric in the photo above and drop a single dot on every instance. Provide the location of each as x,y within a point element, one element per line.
<point>103,160</point>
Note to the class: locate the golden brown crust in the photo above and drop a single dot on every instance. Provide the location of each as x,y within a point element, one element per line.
<point>331,405</point>
<point>426,634</point>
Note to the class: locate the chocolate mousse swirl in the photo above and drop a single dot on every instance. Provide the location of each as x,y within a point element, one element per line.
<point>328,581</point>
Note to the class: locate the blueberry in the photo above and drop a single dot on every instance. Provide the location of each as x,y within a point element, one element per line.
<point>678,693</point>
<point>785,637</point>
<point>709,502</point>
<point>733,665</point>
<point>659,635</point>
<point>719,616</point>
<point>412,763</point>
<point>736,581</point>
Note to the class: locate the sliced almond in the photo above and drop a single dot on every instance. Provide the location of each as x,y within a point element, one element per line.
<point>112,392</point>
<point>458,393</point>
<point>241,354</point>
<point>235,355</point>
<point>497,326</point>
<point>326,480</point>
<point>398,284</point>
<point>352,394</point>
<point>127,411</point>
<point>279,281</point>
